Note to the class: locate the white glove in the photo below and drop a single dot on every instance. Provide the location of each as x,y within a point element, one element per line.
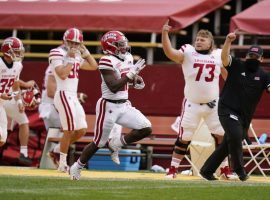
<point>139,83</point>
<point>137,67</point>
<point>84,51</point>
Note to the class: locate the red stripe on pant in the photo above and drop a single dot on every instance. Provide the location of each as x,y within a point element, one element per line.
<point>67,111</point>
<point>99,125</point>
<point>181,118</point>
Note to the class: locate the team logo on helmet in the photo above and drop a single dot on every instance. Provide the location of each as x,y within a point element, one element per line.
<point>13,48</point>
<point>115,43</point>
<point>31,98</point>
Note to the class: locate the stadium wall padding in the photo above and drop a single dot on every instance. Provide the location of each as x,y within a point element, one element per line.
<point>162,95</point>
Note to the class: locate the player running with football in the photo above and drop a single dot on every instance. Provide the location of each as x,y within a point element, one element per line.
<point>65,62</point>
<point>201,65</point>
<point>117,73</point>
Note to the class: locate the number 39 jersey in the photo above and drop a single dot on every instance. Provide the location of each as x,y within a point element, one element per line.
<point>120,68</point>
<point>201,73</point>
<point>8,76</point>
<point>57,57</point>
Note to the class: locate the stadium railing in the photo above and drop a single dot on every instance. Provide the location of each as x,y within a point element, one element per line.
<point>148,45</point>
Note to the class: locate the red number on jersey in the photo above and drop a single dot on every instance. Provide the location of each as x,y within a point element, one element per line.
<point>74,71</point>
<point>6,84</point>
<point>201,66</point>
<point>125,88</point>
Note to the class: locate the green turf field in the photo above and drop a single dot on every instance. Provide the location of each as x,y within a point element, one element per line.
<point>41,188</point>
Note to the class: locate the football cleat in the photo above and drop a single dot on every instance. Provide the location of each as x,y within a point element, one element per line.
<point>25,161</point>
<point>227,174</point>
<point>74,172</point>
<point>207,177</point>
<point>172,173</point>
<point>114,150</point>
<point>63,168</point>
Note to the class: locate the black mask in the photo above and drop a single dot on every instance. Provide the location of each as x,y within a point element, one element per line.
<point>204,52</point>
<point>252,64</point>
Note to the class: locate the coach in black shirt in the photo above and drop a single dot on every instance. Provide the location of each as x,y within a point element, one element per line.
<point>242,91</point>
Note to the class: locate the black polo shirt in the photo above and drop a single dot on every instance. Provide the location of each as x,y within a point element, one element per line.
<point>242,91</point>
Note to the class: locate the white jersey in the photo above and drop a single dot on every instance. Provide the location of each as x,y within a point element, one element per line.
<point>44,97</point>
<point>57,57</point>
<point>8,76</point>
<point>201,73</point>
<point>120,68</point>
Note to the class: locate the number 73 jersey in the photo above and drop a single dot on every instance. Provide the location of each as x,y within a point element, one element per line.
<point>201,73</point>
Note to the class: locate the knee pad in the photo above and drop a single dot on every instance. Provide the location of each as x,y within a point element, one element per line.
<point>146,131</point>
<point>187,134</point>
<point>182,147</point>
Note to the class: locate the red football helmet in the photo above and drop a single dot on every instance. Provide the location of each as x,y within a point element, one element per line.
<point>31,98</point>
<point>115,43</point>
<point>13,48</point>
<point>73,35</point>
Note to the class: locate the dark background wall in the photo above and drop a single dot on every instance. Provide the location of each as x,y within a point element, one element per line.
<point>162,95</point>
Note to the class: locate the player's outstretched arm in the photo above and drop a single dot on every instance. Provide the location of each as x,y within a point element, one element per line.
<point>170,52</point>
<point>225,53</point>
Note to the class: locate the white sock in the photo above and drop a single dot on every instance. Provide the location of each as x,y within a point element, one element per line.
<point>24,150</point>
<point>56,149</point>
<point>63,158</point>
<point>175,162</point>
<point>79,165</point>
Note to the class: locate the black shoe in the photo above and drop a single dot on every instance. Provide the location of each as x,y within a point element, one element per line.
<point>25,161</point>
<point>243,177</point>
<point>207,177</point>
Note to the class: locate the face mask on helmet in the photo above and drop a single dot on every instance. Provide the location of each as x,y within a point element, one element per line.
<point>13,48</point>
<point>115,43</point>
<point>122,47</point>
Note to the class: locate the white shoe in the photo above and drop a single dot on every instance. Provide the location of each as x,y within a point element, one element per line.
<point>63,168</point>
<point>114,151</point>
<point>74,172</point>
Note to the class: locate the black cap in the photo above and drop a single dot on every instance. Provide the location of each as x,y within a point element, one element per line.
<point>255,49</point>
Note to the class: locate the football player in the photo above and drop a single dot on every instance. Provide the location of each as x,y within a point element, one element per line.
<point>117,72</point>
<point>65,62</point>
<point>10,69</point>
<point>201,65</point>
<point>19,117</point>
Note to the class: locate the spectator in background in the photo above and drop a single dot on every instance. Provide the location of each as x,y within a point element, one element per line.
<point>117,71</point>
<point>241,94</point>
<point>201,65</point>
<point>65,62</point>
